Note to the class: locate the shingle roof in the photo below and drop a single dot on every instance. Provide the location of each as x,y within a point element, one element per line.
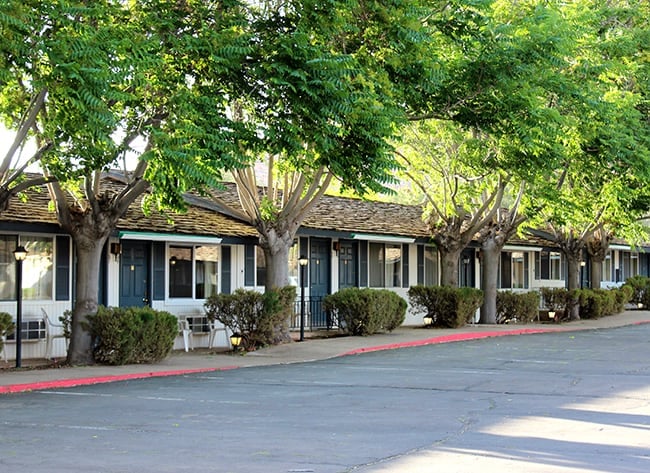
<point>196,221</point>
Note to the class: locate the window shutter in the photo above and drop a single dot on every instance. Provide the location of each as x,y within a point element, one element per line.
<point>62,276</point>
<point>249,265</point>
<point>420,264</point>
<point>363,264</point>
<point>159,263</point>
<point>405,265</point>
<point>225,270</point>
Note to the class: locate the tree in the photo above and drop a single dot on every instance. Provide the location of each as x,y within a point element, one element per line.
<point>450,168</point>
<point>116,72</point>
<point>599,190</point>
<point>326,94</point>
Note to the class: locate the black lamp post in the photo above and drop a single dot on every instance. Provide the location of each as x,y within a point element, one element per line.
<point>20,254</point>
<point>303,265</point>
<point>582,273</point>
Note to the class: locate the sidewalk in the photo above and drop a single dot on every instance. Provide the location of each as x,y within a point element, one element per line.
<point>179,362</point>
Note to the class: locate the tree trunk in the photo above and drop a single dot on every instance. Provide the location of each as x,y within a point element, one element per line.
<point>490,252</point>
<point>276,244</point>
<point>89,252</point>
<point>597,250</point>
<point>573,281</point>
<point>449,265</point>
<point>276,247</point>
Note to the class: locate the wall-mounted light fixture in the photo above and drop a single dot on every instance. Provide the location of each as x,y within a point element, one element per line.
<point>115,249</point>
<point>336,246</point>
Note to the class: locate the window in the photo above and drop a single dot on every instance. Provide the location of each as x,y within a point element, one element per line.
<point>38,279</point>
<point>548,265</point>
<point>207,271</point>
<point>294,270</point>
<point>7,268</point>
<point>630,264</point>
<point>519,279</point>
<point>385,268</point>
<point>607,267</point>
<point>193,271</point>
<point>37,268</point>
<point>430,266</point>
<point>261,266</point>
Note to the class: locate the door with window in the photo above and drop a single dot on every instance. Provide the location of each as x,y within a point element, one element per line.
<point>348,264</point>
<point>134,274</point>
<point>319,281</point>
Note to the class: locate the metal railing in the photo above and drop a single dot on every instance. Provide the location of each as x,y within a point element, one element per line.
<point>316,318</point>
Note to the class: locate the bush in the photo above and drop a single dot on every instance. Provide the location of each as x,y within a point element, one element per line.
<point>258,317</point>
<point>596,303</point>
<point>517,307</point>
<point>7,326</point>
<point>449,307</point>
<point>131,335</point>
<point>639,286</point>
<point>366,311</point>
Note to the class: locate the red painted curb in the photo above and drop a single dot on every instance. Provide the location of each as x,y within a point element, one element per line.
<point>68,383</point>
<point>457,337</point>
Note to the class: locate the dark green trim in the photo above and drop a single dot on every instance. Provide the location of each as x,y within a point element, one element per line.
<point>226,271</point>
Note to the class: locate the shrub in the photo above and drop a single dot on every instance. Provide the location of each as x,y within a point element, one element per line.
<point>624,295</point>
<point>596,303</point>
<point>366,311</point>
<point>448,306</point>
<point>7,326</point>
<point>131,335</point>
<point>259,317</point>
<point>517,306</point>
<point>639,286</point>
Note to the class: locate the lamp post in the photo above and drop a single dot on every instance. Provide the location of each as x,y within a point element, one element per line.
<point>303,265</point>
<point>582,273</point>
<point>20,254</point>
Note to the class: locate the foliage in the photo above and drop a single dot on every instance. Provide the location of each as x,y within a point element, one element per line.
<point>449,307</point>
<point>254,315</point>
<point>517,307</point>
<point>596,303</point>
<point>554,298</point>
<point>7,326</point>
<point>132,335</point>
<point>366,311</point>
<point>639,286</point>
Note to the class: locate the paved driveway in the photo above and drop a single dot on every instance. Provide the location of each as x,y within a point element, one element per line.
<point>564,402</point>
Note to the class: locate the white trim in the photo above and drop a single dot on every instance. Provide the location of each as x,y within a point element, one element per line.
<point>520,248</point>
<point>170,237</point>
<point>384,238</point>
<point>620,247</point>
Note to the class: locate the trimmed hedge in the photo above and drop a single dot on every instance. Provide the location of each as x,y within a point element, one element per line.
<point>596,303</point>
<point>126,335</point>
<point>366,311</point>
<point>259,317</point>
<point>521,307</point>
<point>449,307</point>
<point>639,287</point>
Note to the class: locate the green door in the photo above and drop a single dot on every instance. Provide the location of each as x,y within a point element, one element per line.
<point>348,264</point>
<point>319,280</point>
<point>134,273</point>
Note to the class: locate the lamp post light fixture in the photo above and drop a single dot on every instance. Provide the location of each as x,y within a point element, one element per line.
<point>235,340</point>
<point>303,261</point>
<point>20,254</point>
<point>551,314</point>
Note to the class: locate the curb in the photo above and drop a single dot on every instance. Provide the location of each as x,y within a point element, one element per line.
<point>458,337</point>
<point>69,383</point>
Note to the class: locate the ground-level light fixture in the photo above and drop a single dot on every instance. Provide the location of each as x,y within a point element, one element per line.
<point>427,320</point>
<point>235,340</point>
<point>551,314</point>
